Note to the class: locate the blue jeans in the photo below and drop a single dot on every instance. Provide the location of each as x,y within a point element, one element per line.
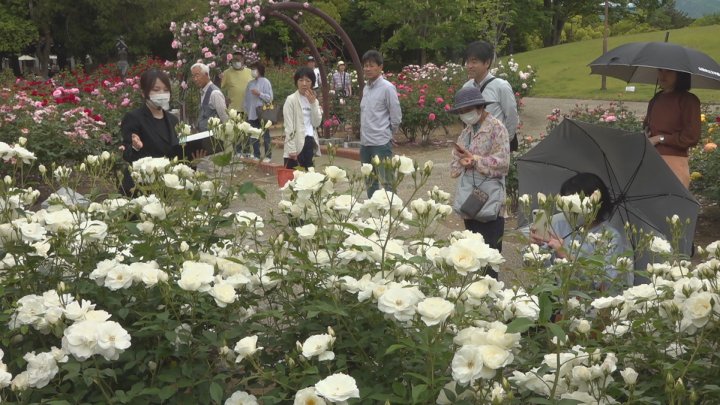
<point>367,152</point>
<point>256,142</point>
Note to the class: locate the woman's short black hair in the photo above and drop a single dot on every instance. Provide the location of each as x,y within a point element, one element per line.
<point>682,83</point>
<point>148,78</point>
<point>587,183</point>
<point>260,68</point>
<point>304,71</point>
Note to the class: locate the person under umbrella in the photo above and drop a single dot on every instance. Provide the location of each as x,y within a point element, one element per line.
<point>562,234</point>
<point>672,123</point>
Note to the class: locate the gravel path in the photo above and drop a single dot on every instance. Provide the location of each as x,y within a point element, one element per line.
<point>533,117</point>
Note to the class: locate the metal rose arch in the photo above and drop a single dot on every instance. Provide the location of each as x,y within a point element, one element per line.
<point>275,10</point>
<point>223,31</point>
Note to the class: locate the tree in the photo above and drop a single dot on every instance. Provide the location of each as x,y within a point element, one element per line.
<point>437,29</point>
<point>559,11</point>
<point>16,33</point>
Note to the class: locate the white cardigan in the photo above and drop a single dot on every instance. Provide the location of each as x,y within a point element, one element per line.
<point>294,124</point>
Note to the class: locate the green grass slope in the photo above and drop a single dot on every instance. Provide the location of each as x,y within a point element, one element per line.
<point>563,71</point>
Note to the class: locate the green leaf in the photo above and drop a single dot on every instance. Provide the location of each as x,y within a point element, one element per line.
<point>556,330</point>
<point>216,392</point>
<point>167,391</point>
<point>417,391</point>
<point>394,348</point>
<point>519,325</point>
<point>545,308</point>
<point>222,159</point>
<point>399,389</point>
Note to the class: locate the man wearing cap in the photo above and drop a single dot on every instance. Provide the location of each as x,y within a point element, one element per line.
<point>311,64</point>
<point>479,56</point>
<point>481,153</point>
<point>341,81</point>
<point>380,118</point>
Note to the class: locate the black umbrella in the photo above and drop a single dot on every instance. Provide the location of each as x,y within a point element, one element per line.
<point>638,62</point>
<point>646,192</point>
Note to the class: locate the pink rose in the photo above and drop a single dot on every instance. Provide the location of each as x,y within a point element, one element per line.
<point>439,100</point>
<point>431,117</point>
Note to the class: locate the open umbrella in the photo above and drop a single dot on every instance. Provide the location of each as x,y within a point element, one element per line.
<point>644,189</point>
<point>638,62</point>
<point>25,58</point>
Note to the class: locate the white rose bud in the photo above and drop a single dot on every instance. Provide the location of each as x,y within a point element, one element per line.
<point>541,198</point>
<point>524,199</point>
<point>268,124</point>
<point>629,375</point>
<point>331,332</point>
<point>42,169</point>
<point>22,141</point>
<point>82,167</point>
<point>152,366</point>
<point>184,246</point>
<point>8,180</point>
<point>376,160</point>
<point>105,155</point>
<point>583,326</point>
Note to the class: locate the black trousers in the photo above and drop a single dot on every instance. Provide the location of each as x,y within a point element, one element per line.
<point>305,157</point>
<point>492,232</point>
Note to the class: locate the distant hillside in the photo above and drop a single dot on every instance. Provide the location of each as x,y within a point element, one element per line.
<point>698,8</point>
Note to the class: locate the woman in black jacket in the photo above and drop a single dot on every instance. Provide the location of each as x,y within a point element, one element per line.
<point>150,130</point>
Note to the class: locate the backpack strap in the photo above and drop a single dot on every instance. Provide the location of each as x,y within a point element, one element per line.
<point>482,88</point>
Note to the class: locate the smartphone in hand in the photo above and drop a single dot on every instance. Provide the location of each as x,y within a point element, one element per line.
<point>541,225</point>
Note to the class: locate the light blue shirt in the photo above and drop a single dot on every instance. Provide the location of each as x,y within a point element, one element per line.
<point>252,102</point>
<point>380,113</point>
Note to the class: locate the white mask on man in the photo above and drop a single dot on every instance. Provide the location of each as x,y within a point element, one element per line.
<point>238,65</point>
<point>470,117</point>
<point>160,100</point>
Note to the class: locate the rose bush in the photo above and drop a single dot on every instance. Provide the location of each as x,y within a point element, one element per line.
<point>177,296</point>
<point>73,114</point>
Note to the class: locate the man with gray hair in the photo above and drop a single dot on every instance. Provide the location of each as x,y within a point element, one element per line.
<point>212,100</point>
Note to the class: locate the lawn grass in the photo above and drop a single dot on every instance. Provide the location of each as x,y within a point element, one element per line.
<point>563,71</point>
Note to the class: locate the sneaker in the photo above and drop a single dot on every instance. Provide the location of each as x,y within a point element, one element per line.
<point>255,158</point>
<point>266,160</point>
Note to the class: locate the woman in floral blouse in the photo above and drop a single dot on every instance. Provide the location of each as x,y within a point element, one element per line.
<point>482,146</point>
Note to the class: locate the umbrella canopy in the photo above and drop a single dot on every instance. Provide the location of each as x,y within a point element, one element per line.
<point>25,57</point>
<point>645,191</point>
<point>638,62</point>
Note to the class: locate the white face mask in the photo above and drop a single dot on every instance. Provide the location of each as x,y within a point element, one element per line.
<point>254,73</point>
<point>470,117</point>
<point>160,100</point>
<point>238,65</point>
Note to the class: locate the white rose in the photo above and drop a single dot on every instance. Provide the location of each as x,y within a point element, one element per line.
<point>435,310</point>
<point>319,345</point>
<point>196,276</point>
<point>495,357</point>
<point>400,302</point>
<point>224,294</point>
<point>172,181</point>
<point>308,396</point>
<point>94,230</point>
<point>241,397</point>
<point>366,169</point>
<point>467,364</point>
<point>660,245</point>
<point>145,227</point>
<point>405,164</point>
<point>306,232</point>
<point>155,210</point>
<point>336,174</point>
<point>699,307</point>
<point>32,232</point>
<point>338,387</point>
<point>583,326</point>
<point>310,181</point>
<point>246,347</point>
<point>59,220</point>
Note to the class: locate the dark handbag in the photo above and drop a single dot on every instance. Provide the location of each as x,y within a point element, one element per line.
<point>479,201</point>
<point>268,112</point>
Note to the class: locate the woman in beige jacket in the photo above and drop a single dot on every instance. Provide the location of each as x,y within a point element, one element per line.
<point>301,117</point>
